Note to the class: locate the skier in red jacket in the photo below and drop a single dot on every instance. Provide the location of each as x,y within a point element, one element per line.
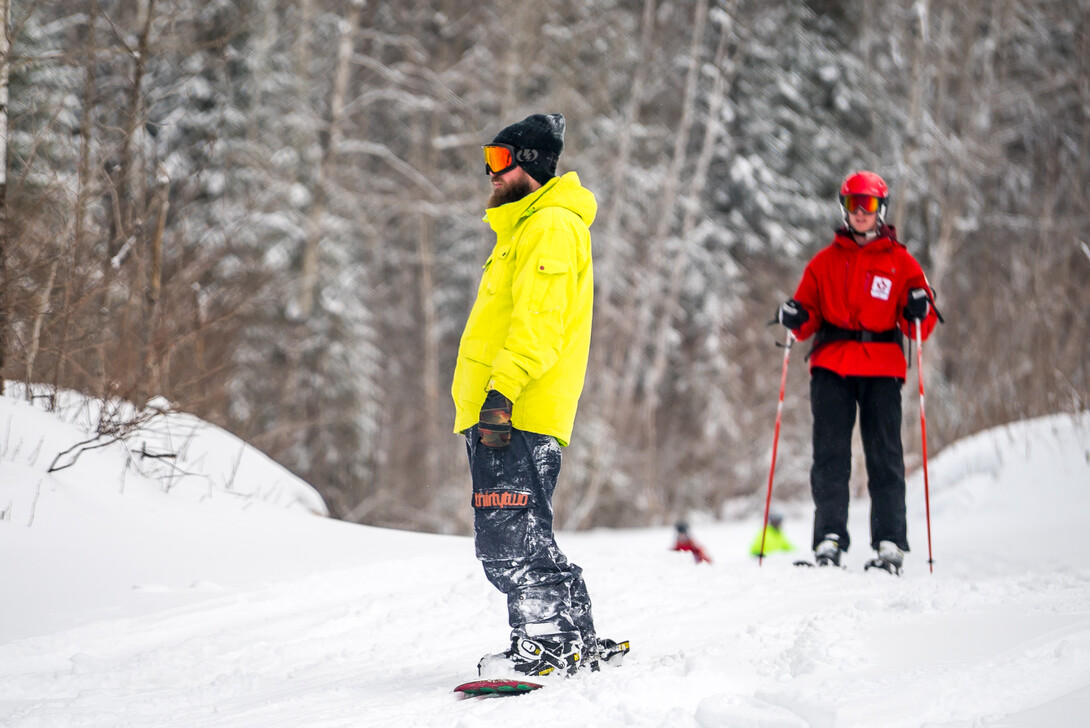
<point>859,297</point>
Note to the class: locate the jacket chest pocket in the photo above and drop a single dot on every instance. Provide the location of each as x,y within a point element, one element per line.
<point>879,285</point>
<point>495,267</point>
<point>550,283</point>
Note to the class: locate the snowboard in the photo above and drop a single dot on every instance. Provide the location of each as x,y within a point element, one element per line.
<point>610,652</point>
<point>479,688</point>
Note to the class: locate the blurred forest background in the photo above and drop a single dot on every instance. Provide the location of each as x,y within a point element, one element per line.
<point>269,212</point>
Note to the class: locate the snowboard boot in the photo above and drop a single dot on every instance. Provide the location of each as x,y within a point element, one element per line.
<point>533,657</point>
<point>612,652</point>
<point>890,558</point>
<point>828,551</point>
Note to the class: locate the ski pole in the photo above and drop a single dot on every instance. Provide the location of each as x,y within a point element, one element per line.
<point>775,441</point>
<point>923,438</point>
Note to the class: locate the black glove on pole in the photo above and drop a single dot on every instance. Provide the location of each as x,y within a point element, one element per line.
<point>918,305</point>
<point>792,314</point>
<point>495,424</point>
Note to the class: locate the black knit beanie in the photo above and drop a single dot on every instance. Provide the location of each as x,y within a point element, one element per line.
<point>538,141</point>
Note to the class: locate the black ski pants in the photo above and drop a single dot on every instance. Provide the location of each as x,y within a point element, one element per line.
<point>833,402</point>
<point>513,525</point>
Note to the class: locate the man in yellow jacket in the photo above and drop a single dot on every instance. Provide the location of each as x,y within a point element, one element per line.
<point>521,364</point>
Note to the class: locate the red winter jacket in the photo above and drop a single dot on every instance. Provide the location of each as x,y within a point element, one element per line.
<point>684,543</point>
<point>862,287</point>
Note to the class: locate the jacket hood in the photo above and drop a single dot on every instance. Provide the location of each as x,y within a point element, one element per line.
<point>565,192</point>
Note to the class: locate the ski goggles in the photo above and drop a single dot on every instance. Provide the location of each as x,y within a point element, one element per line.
<point>499,158</point>
<point>861,203</point>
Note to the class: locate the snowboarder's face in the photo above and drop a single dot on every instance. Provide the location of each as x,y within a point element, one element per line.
<point>511,186</point>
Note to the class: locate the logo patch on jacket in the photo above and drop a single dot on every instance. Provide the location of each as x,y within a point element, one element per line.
<point>880,288</point>
<point>498,499</point>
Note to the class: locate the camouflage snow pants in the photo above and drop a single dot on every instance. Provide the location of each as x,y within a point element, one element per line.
<point>513,522</point>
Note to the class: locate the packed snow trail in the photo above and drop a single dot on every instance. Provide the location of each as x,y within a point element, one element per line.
<point>374,646</point>
<point>226,611</point>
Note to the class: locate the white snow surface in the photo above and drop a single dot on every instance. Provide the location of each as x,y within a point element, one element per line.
<point>204,590</point>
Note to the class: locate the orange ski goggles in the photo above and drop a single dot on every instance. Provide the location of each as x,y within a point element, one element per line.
<point>861,203</point>
<point>499,158</point>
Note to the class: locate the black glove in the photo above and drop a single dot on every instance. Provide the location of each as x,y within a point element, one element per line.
<point>792,314</point>
<point>918,305</point>
<point>495,424</point>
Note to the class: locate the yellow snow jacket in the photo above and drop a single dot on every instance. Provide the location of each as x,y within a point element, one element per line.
<point>774,541</point>
<point>528,333</point>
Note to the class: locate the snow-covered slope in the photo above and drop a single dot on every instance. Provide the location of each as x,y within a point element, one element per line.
<point>219,599</point>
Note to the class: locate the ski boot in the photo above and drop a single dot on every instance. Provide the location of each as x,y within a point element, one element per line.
<point>828,551</point>
<point>890,558</point>
<point>534,657</point>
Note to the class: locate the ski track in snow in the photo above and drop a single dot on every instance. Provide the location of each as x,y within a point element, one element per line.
<point>997,637</point>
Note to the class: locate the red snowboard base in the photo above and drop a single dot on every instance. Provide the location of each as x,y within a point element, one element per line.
<point>496,687</point>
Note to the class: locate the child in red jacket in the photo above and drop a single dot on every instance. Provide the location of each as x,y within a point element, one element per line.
<point>859,297</point>
<point>685,542</point>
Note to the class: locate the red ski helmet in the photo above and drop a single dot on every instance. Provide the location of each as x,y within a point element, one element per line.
<point>868,184</point>
<point>864,183</point>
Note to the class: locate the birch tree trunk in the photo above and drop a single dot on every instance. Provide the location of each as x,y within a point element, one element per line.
<point>697,181</point>
<point>427,127</point>
<point>609,308</point>
<point>654,330</point>
<point>618,186</point>
<point>608,355</point>
<point>669,302</point>
<point>309,280</point>
<point>125,217</point>
<point>268,27</point>
<point>74,256</point>
<point>5,233</point>
<point>126,189</point>
<point>151,382</point>
<point>648,293</point>
<point>39,315</point>
<point>915,123</point>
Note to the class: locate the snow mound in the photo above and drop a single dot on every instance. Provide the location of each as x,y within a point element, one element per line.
<point>174,452</point>
<point>1015,496</point>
